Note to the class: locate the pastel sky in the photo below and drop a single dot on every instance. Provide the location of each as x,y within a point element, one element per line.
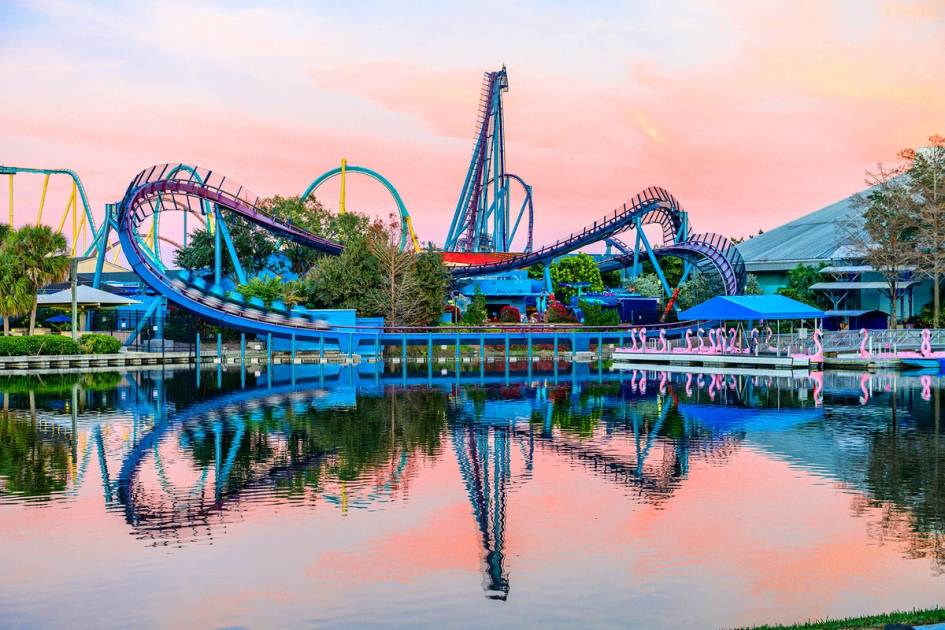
<point>751,113</point>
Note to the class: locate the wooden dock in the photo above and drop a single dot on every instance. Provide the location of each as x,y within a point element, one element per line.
<point>624,357</point>
<point>55,364</point>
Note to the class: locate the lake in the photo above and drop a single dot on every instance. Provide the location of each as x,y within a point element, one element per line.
<point>561,495</point>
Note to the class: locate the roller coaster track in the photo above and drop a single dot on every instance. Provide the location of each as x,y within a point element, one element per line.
<point>80,188</point>
<point>712,254</point>
<point>652,206</point>
<point>169,187</point>
<point>469,202</point>
<point>183,190</point>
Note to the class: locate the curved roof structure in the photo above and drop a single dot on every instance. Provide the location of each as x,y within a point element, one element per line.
<point>813,238</point>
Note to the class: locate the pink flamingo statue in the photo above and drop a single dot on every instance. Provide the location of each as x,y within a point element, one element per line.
<point>926,381</point>
<point>643,340</point>
<point>642,389</point>
<point>712,347</point>
<point>633,337</point>
<point>770,335</point>
<point>700,381</point>
<point>818,356</point>
<point>633,381</point>
<point>662,383</point>
<point>701,347</point>
<point>689,385</point>
<point>712,386</point>
<point>731,341</point>
<point>752,340</point>
<point>689,340</point>
<point>720,339</point>
<point>664,345</point>
<point>926,342</point>
<point>865,337</point>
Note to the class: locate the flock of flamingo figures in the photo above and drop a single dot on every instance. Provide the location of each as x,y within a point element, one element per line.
<point>722,341</point>
<point>925,349</point>
<point>718,341</point>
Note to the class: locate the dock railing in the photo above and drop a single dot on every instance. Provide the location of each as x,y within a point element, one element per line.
<point>850,340</point>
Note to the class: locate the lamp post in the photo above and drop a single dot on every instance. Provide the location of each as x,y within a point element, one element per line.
<point>73,286</point>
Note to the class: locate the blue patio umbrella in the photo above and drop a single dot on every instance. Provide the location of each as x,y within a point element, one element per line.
<point>58,319</point>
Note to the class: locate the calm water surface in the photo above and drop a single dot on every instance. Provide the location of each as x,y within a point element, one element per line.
<point>340,496</point>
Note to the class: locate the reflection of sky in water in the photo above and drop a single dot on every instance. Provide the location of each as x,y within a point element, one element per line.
<point>580,496</point>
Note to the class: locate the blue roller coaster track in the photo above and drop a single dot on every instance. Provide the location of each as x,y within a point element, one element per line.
<point>482,223</point>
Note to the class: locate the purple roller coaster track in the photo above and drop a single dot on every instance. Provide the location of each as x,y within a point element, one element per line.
<point>171,187</point>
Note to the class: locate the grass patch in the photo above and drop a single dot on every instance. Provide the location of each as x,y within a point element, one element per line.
<point>912,618</point>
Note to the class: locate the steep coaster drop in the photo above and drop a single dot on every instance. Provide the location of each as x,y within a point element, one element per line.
<point>482,223</point>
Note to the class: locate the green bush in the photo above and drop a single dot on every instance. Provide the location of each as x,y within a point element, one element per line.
<point>597,315</point>
<point>37,345</point>
<point>96,343</point>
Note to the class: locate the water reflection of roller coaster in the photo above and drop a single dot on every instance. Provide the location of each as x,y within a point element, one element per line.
<point>247,445</point>
<point>484,228</point>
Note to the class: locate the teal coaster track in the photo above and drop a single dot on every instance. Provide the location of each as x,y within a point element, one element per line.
<point>483,222</point>
<point>170,187</point>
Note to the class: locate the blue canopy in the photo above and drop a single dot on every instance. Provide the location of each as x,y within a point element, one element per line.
<point>751,307</point>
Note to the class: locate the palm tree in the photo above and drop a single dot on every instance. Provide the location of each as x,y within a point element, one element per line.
<point>16,294</point>
<point>41,259</point>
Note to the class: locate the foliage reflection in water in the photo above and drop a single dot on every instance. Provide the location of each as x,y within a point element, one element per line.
<point>182,459</point>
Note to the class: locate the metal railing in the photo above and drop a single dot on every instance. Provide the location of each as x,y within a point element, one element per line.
<point>850,340</point>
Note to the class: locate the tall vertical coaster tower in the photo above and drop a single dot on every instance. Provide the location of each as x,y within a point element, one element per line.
<point>483,220</point>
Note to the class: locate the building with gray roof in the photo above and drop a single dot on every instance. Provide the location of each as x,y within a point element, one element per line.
<point>816,240</point>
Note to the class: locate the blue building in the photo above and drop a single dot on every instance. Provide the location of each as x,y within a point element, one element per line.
<point>855,291</point>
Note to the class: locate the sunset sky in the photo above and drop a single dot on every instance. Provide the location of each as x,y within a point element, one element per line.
<point>751,113</point>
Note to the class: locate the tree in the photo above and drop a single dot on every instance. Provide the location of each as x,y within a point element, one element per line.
<point>432,286</point>
<point>271,289</point>
<point>926,181</point>
<point>752,286</point>
<point>798,287</point>
<point>696,290</point>
<point>887,238</point>
<point>40,258</point>
<point>312,216</point>
<point>16,294</point>
<point>612,279</point>
<point>345,281</point>
<point>647,285</point>
<point>577,268</point>
<point>476,314</point>
<point>671,267</point>
<point>253,247</point>
<point>394,297</point>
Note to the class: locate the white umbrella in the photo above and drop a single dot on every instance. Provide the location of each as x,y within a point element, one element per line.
<point>85,296</point>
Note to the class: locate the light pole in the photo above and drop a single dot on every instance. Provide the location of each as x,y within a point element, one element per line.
<point>73,286</point>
